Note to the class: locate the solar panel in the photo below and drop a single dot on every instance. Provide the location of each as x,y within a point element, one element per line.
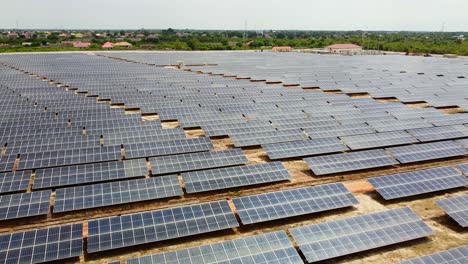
<point>283,204</point>
<point>427,151</point>
<point>197,161</point>
<point>352,161</point>
<point>378,140</point>
<point>272,248</point>
<point>14,181</point>
<point>42,245</point>
<point>113,193</point>
<point>439,133</point>
<point>303,148</point>
<point>24,205</point>
<point>457,208</point>
<point>463,168</point>
<point>151,149</point>
<point>338,130</point>
<point>457,255</point>
<point>140,228</point>
<point>463,142</point>
<point>346,236</point>
<point>417,182</point>
<point>89,173</point>
<point>7,162</point>
<point>223,178</point>
<point>265,137</point>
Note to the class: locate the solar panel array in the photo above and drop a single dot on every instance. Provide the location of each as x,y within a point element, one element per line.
<point>457,255</point>
<point>24,205</point>
<point>303,148</point>
<point>231,177</point>
<point>113,193</point>
<point>197,161</point>
<point>275,248</point>
<point>375,140</point>
<point>427,151</point>
<point>63,144</point>
<point>140,228</point>
<point>457,208</point>
<point>42,245</point>
<point>352,161</point>
<point>418,182</point>
<point>283,204</point>
<point>346,236</point>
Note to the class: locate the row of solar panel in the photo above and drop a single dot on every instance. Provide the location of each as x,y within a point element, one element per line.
<point>317,242</point>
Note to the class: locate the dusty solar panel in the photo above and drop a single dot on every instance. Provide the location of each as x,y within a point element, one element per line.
<point>197,161</point>
<point>24,205</point>
<point>42,245</point>
<point>140,228</point>
<point>114,193</point>
<point>427,151</point>
<point>375,140</point>
<point>289,203</point>
<point>338,130</point>
<point>272,248</point>
<point>89,173</point>
<point>456,208</point>
<point>259,138</point>
<point>14,181</point>
<point>352,161</point>
<point>350,235</point>
<point>418,182</point>
<point>223,178</point>
<point>303,148</point>
<point>457,255</point>
<point>439,133</point>
<point>151,149</point>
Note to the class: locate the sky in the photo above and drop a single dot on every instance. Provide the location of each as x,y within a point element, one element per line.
<point>392,15</point>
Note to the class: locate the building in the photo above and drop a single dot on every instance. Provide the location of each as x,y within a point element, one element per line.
<point>347,48</point>
<point>123,44</point>
<point>107,45</point>
<point>282,49</point>
<point>81,45</point>
<point>13,35</point>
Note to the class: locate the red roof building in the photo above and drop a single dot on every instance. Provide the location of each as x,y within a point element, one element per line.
<point>107,45</point>
<point>282,49</point>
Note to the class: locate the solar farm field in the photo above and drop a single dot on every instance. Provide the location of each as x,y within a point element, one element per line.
<point>232,157</point>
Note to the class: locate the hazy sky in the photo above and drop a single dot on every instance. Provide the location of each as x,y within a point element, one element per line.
<point>427,15</point>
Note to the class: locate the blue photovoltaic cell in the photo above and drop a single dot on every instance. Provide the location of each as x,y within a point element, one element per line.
<point>151,149</point>
<point>283,204</point>
<point>270,248</point>
<point>463,168</point>
<point>113,193</point>
<point>303,148</point>
<point>159,225</point>
<point>14,181</point>
<point>42,245</point>
<point>350,235</point>
<point>427,151</point>
<point>230,177</point>
<point>378,140</point>
<point>197,161</point>
<point>352,161</point>
<point>24,205</point>
<point>417,182</point>
<point>89,173</point>
<point>457,208</point>
<point>457,255</point>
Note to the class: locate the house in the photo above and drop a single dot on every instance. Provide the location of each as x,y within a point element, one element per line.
<point>123,44</point>
<point>282,49</point>
<point>347,48</point>
<point>62,35</point>
<point>78,35</point>
<point>81,45</point>
<point>107,45</point>
<point>13,35</point>
<point>26,44</point>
